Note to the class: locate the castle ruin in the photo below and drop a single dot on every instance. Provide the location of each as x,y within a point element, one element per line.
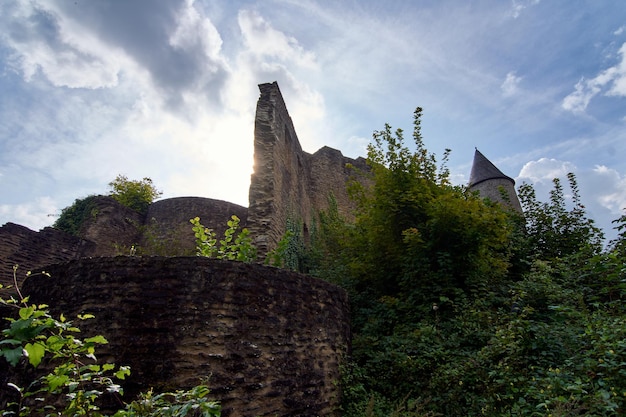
<point>272,339</point>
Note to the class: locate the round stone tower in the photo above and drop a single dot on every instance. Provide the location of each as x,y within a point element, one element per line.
<point>491,183</point>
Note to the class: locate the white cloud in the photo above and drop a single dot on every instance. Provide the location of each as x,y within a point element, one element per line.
<point>612,188</point>
<point>34,215</point>
<point>44,41</point>
<point>270,55</point>
<point>263,40</point>
<point>510,85</point>
<point>611,80</point>
<point>518,6</point>
<point>544,170</point>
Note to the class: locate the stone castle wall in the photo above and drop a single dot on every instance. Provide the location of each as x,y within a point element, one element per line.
<point>270,340</point>
<point>112,229</point>
<point>167,229</point>
<point>287,182</point>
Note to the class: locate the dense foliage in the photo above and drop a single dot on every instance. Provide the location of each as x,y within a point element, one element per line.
<point>463,307</point>
<point>73,217</point>
<point>134,194</point>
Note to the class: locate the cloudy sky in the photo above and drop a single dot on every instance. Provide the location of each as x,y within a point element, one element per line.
<point>167,89</point>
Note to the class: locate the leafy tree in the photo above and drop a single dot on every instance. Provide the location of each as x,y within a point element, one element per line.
<point>553,230</point>
<point>419,252</point>
<point>462,308</point>
<point>417,234</point>
<point>619,244</point>
<point>134,194</point>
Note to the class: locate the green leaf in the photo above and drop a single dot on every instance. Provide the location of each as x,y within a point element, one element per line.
<point>99,339</point>
<point>123,372</point>
<point>10,341</point>
<point>56,381</point>
<point>35,352</point>
<point>12,355</point>
<point>26,312</point>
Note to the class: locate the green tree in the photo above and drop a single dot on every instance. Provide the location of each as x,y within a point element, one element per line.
<point>134,194</point>
<point>417,234</point>
<point>552,229</point>
<point>233,247</point>
<point>420,253</point>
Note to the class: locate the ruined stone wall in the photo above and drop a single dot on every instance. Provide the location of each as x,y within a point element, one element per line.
<point>287,182</point>
<point>270,340</point>
<point>111,227</point>
<point>30,250</point>
<point>167,229</point>
<point>331,173</point>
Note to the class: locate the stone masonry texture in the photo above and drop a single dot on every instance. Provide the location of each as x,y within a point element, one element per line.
<point>269,340</point>
<point>287,182</point>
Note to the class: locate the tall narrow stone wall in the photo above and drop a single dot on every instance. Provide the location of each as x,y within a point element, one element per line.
<point>287,182</point>
<point>270,340</point>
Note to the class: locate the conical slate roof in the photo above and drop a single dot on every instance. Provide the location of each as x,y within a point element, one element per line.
<point>483,170</point>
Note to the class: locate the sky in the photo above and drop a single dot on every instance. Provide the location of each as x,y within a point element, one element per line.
<point>167,89</point>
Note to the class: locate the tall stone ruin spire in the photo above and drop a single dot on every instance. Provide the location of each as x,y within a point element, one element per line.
<point>491,183</point>
<point>289,184</point>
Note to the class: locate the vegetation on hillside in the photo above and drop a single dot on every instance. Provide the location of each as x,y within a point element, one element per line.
<point>134,194</point>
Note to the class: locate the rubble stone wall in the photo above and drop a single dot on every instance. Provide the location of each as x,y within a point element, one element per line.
<point>270,340</point>
<point>287,182</point>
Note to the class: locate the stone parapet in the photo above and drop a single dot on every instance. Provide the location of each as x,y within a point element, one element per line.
<point>270,341</point>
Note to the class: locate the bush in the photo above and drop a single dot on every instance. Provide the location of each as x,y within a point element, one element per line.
<point>73,217</point>
<point>134,194</point>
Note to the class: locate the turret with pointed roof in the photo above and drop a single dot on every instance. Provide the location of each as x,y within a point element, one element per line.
<point>491,183</point>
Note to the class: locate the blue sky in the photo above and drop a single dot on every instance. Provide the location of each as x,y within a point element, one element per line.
<point>167,89</point>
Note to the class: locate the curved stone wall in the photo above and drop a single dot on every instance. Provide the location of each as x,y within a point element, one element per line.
<point>167,230</point>
<point>270,340</point>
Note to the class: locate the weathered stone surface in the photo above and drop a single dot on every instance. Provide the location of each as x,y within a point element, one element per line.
<point>30,250</point>
<point>289,183</point>
<point>167,230</point>
<point>111,227</point>
<point>270,340</point>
